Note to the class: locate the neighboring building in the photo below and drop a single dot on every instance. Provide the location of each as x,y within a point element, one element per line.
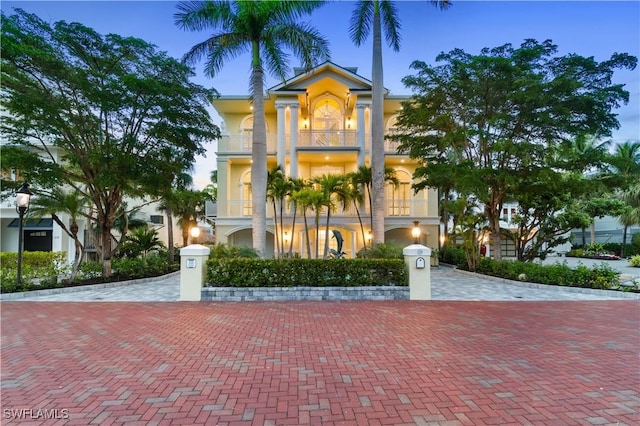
<point>318,122</point>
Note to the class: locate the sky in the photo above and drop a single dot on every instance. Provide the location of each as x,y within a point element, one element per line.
<point>587,28</point>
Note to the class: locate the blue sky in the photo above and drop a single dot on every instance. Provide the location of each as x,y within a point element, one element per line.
<point>587,28</point>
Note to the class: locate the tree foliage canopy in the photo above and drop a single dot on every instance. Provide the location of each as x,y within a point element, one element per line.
<point>499,124</point>
<point>105,115</point>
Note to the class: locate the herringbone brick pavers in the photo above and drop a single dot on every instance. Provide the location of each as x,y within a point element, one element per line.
<point>386,363</point>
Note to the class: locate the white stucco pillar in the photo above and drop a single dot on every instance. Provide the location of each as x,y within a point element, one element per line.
<point>418,260</point>
<point>293,140</point>
<point>193,271</point>
<point>281,135</point>
<point>360,132</point>
<point>223,187</point>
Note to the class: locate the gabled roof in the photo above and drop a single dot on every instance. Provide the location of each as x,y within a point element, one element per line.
<point>303,78</point>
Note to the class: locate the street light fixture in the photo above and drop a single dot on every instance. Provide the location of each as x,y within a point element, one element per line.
<point>195,233</point>
<point>23,196</point>
<point>415,232</point>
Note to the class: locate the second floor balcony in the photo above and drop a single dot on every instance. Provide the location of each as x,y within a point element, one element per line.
<point>393,208</point>
<point>308,140</point>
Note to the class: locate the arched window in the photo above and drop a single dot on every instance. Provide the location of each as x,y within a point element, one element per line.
<point>246,194</point>
<point>398,198</point>
<point>327,122</point>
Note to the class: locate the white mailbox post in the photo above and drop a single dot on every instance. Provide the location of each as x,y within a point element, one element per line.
<point>418,259</point>
<point>193,271</point>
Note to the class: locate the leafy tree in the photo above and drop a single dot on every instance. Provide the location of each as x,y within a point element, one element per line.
<point>265,29</point>
<point>504,113</point>
<point>546,211</point>
<point>96,113</point>
<point>378,14</point>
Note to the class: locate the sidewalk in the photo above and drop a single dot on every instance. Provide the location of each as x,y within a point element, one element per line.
<point>446,284</point>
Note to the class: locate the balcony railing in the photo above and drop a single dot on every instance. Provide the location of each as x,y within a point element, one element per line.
<point>393,208</point>
<point>308,139</point>
<point>242,143</point>
<point>327,138</point>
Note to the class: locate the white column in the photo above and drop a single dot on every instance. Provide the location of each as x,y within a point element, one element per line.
<point>418,260</point>
<point>193,271</point>
<point>281,141</point>
<point>360,132</point>
<point>223,187</point>
<point>293,140</point>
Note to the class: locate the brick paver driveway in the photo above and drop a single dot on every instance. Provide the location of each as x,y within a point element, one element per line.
<point>358,363</point>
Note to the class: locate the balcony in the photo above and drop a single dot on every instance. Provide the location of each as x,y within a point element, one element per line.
<point>241,144</point>
<point>307,140</point>
<point>393,208</point>
<point>323,139</point>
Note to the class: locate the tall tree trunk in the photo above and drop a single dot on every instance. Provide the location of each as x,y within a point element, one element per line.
<point>293,228</point>
<point>592,229</point>
<point>306,233</point>
<point>377,132</point>
<point>326,235</point>
<point>172,250</point>
<point>364,238</point>
<point>624,240</point>
<point>275,228</point>
<point>259,157</point>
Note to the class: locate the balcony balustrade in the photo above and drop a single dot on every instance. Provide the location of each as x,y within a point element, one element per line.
<point>393,208</point>
<point>307,139</point>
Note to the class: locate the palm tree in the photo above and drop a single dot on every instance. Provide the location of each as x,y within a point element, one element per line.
<point>364,178</point>
<point>375,14</point>
<point>626,163</point>
<point>278,187</point>
<point>355,193</point>
<point>631,215</point>
<point>73,204</point>
<point>295,185</point>
<point>265,29</point>
<point>310,198</point>
<point>142,241</point>
<point>169,202</point>
<point>330,185</point>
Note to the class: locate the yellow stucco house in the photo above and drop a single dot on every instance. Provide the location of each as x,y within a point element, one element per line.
<point>318,123</point>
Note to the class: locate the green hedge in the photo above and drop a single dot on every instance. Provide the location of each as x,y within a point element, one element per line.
<point>45,266</point>
<point>244,272</point>
<point>599,277</point>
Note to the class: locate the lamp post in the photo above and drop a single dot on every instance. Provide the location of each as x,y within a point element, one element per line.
<point>23,196</point>
<point>415,232</point>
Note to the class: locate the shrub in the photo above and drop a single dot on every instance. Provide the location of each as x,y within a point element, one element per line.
<point>635,261</point>
<point>381,251</point>
<point>225,251</point>
<point>239,272</point>
<point>39,269</point>
<point>454,256</point>
<point>151,266</point>
<point>601,277</point>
